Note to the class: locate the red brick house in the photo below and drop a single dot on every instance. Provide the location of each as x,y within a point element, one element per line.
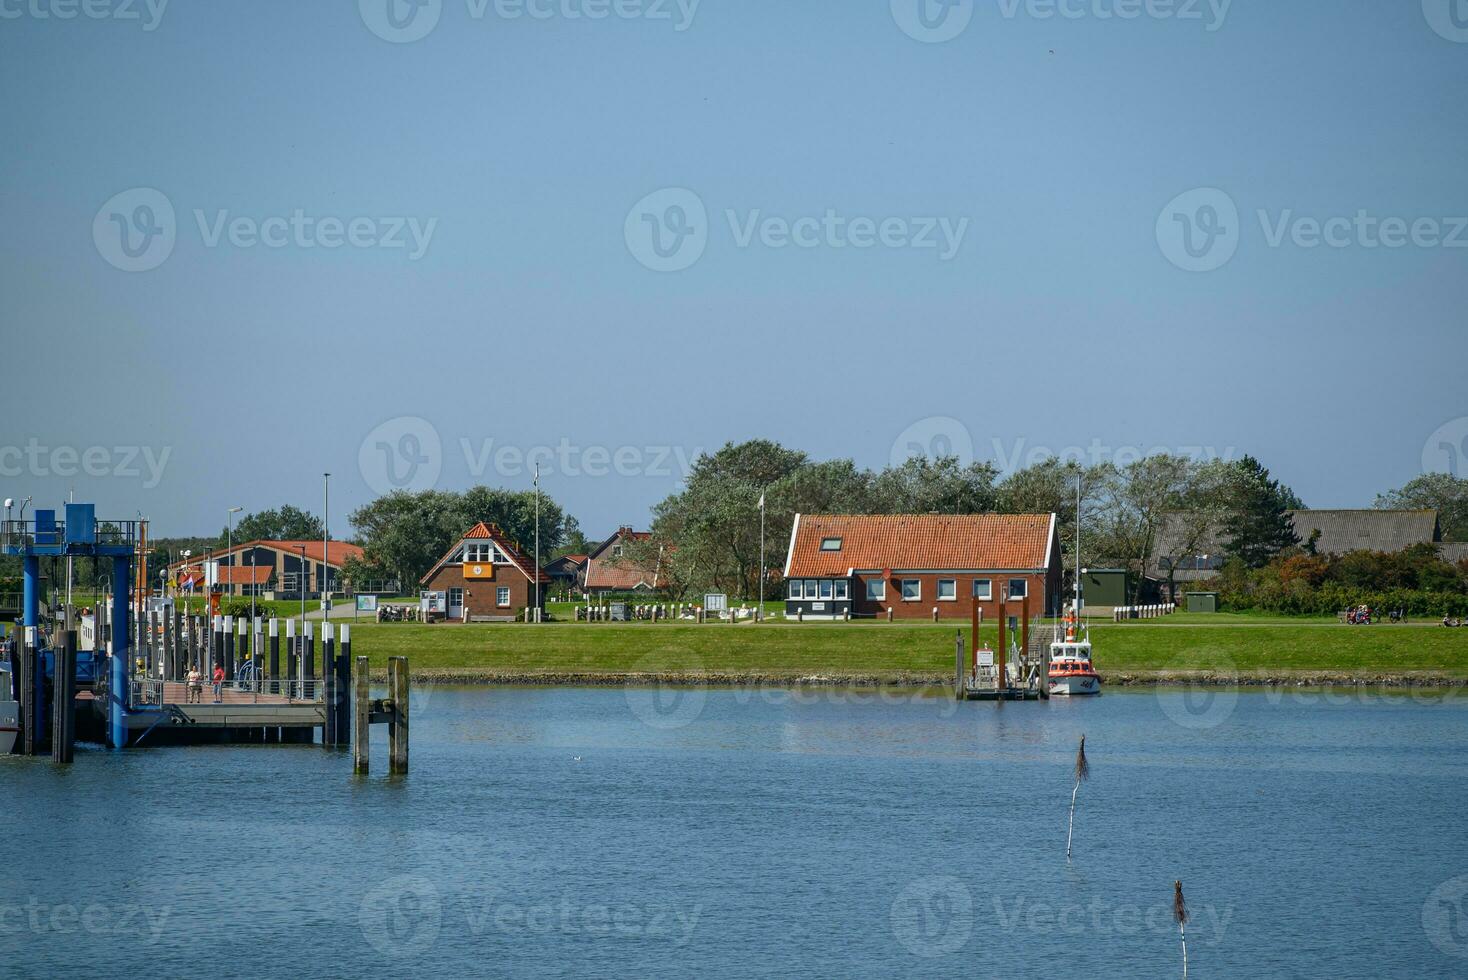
<point>914,563</point>
<point>484,577</point>
<point>611,569</point>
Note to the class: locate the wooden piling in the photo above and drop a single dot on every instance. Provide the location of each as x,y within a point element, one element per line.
<point>63,712</point>
<point>344,687</point>
<point>29,737</point>
<point>1003,679</point>
<point>397,690</point>
<point>361,734</point>
<point>328,679</point>
<point>274,628</point>
<point>958,666</point>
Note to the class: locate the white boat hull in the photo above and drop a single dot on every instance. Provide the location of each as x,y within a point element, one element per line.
<point>1074,686</point>
<point>9,725</point>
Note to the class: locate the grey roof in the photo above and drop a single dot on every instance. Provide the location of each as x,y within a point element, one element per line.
<point>1453,551</point>
<point>1341,531</point>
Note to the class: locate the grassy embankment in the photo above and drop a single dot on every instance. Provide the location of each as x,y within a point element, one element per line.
<point>1247,646</point>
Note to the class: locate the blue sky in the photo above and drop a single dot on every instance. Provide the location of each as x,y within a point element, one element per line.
<point>480,282</point>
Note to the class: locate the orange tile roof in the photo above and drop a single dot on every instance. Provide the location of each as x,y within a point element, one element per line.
<point>917,541</point>
<point>340,551</point>
<point>481,531</point>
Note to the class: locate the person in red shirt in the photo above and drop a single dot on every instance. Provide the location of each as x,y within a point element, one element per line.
<point>218,682</point>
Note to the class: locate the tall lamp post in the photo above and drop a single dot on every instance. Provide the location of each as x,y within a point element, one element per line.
<point>759,613</point>
<point>326,548</point>
<point>536,614</point>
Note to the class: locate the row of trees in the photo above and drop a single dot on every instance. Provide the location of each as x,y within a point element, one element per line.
<point>1415,580</point>
<point>708,534</point>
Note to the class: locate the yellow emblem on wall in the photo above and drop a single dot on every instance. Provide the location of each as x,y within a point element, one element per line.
<point>480,570</point>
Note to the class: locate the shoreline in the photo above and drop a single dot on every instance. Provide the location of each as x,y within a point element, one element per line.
<point>492,677</point>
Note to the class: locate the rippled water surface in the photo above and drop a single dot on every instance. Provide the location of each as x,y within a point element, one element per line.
<point>579,832</point>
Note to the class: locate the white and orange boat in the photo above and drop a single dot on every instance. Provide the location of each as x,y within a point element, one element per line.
<point>1070,670</point>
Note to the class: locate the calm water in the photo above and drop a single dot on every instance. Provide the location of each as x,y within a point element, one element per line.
<point>728,833</point>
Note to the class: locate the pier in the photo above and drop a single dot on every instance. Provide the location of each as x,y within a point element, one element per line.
<point>1014,673</point>
<point>119,676</point>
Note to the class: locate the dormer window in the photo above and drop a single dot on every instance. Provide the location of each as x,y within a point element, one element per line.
<point>479,553</point>
<point>830,544</point>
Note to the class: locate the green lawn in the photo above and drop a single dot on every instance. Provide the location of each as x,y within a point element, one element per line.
<point>1139,648</point>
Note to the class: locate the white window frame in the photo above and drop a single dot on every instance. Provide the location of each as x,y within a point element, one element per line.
<point>952,584</point>
<point>876,590</point>
<point>794,591</point>
<point>988,592</point>
<point>825,593</point>
<point>1024,588</point>
<point>502,597</point>
<point>843,592</point>
<point>811,588</point>
<point>902,589</point>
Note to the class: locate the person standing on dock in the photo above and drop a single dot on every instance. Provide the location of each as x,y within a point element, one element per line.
<point>196,685</point>
<point>218,683</point>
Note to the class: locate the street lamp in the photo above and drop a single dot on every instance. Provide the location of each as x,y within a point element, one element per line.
<point>229,543</point>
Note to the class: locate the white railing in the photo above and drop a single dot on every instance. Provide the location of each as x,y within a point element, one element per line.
<point>1155,611</point>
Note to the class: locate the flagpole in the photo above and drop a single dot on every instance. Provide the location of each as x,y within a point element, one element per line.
<point>760,609</point>
<point>537,542</point>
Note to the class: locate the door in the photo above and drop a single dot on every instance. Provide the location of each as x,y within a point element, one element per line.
<point>456,604</point>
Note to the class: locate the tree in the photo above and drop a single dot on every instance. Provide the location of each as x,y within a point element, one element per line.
<point>1442,492</point>
<point>1258,524</point>
<point>935,486</point>
<point>286,524</point>
<point>1049,487</point>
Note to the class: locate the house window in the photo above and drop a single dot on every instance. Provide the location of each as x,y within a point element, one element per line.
<point>1017,588</point>
<point>825,588</point>
<point>947,589</point>
<point>478,552</point>
<point>983,588</point>
<point>841,589</point>
<point>616,551</point>
<point>876,589</point>
<point>502,596</point>
<point>795,588</point>
<point>912,589</point>
<point>810,588</point>
<point>830,544</point>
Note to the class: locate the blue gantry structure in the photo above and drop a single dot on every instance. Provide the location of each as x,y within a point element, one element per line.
<point>79,535</point>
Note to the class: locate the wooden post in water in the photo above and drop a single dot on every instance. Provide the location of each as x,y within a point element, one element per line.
<point>958,666</point>
<point>1003,679</point>
<point>1024,630</point>
<point>361,734</point>
<point>344,687</point>
<point>328,680</point>
<point>397,690</point>
<point>63,713</point>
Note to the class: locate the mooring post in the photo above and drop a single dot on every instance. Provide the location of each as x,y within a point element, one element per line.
<point>63,714</point>
<point>958,666</point>
<point>308,660</point>
<point>397,736</point>
<point>229,650</point>
<point>292,655</point>
<point>329,734</point>
<point>216,646</point>
<point>344,686</point>
<point>274,655</point>
<point>27,665</point>
<point>361,734</point>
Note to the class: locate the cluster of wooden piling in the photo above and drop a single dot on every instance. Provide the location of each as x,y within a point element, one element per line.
<point>391,710</point>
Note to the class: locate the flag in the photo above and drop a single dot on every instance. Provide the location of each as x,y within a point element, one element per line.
<point>761,501</point>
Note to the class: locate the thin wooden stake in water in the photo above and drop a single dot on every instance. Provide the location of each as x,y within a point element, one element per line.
<point>1082,771</point>
<point>1180,913</point>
